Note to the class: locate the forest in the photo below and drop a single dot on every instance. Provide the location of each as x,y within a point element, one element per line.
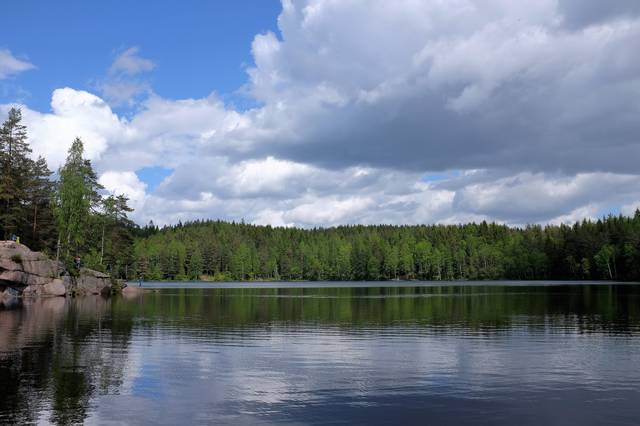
<point>68,214</point>
<point>217,250</point>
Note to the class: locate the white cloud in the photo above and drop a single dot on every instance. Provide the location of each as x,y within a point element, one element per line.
<point>125,183</point>
<point>328,211</point>
<point>438,85</point>
<point>74,114</point>
<point>10,65</point>
<point>123,84</point>
<point>539,197</point>
<point>535,104</point>
<point>130,63</point>
<point>256,178</point>
<point>120,92</point>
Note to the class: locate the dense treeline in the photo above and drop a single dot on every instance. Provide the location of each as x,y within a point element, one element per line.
<point>67,216</point>
<point>604,249</point>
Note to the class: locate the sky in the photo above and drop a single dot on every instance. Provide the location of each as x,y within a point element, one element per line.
<point>325,112</point>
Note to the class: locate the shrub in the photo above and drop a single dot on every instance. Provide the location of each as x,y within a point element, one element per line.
<point>17,258</point>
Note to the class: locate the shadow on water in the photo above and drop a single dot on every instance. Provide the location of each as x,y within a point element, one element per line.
<point>68,361</point>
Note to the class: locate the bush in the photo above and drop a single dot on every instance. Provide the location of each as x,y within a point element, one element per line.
<point>16,258</point>
<point>71,268</point>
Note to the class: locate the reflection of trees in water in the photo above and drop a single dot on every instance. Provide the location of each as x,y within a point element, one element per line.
<point>607,308</point>
<point>55,354</point>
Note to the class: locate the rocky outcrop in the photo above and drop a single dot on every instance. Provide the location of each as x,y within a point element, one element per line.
<point>91,282</point>
<point>18,264</point>
<point>31,273</point>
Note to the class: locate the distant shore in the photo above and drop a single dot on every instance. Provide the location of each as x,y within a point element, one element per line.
<point>360,284</point>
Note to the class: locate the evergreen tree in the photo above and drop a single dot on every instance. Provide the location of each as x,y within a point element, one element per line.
<point>40,228</point>
<point>15,166</point>
<point>114,223</point>
<point>194,264</point>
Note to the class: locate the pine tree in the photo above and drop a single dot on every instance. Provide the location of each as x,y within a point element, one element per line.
<point>113,220</point>
<point>14,172</point>
<point>40,228</point>
<point>194,264</point>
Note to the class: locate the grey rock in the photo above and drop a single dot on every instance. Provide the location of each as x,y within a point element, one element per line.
<point>34,274</point>
<point>55,288</point>
<point>92,282</point>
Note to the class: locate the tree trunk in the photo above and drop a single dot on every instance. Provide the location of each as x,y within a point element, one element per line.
<point>102,245</point>
<point>58,257</point>
<point>35,220</point>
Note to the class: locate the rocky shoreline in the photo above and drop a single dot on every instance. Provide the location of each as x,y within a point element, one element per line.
<point>29,273</point>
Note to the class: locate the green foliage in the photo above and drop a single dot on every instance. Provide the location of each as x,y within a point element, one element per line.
<point>94,227</point>
<point>606,248</point>
<point>69,217</point>
<point>76,200</point>
<point>604,260</point>
<point>25,188</point>
<point>16,258</point>
<point>14,169</point>
<point>91,260</point>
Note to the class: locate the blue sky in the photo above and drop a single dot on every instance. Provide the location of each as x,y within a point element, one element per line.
<point>321,112</point>
<point>198,47</point>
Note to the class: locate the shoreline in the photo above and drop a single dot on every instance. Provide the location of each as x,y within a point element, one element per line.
<point>155,285</point>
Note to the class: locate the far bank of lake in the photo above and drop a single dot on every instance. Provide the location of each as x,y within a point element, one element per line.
<point>360,284</point>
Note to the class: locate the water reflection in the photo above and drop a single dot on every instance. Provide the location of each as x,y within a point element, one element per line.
<point>55,355</point>
<point>450,354</point>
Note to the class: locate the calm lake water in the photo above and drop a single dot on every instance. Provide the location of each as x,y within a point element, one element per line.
<point>487,353</point>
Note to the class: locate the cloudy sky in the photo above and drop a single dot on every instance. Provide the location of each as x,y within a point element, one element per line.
<point>325,112</point>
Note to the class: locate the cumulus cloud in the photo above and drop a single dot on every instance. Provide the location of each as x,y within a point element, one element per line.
<point>10,65</point>
<point>533,106</point>
<point>439,85</point>
<point>74,114</point>
<point>125,183</point>
<point>537,197</point>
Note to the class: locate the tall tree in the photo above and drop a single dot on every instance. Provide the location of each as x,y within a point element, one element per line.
<point>76,199</point>
<point>39,229</point>
<point>114,219</point>
<point>14,171</point>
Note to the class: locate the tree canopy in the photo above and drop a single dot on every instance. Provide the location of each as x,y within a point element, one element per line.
<point>71,216</point>
<point>602,249</point>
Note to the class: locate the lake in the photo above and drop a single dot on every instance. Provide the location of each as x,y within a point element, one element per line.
<point>307,353</point>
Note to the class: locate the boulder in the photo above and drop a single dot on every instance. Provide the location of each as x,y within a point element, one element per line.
<point>55,288</point>
<point>20,265</point>
<point>8,293</point>
<point>132,292</point>
<point>33,290</point>
<point>92,282</point>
